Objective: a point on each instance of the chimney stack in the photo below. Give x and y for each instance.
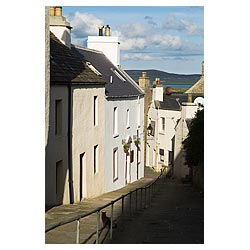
(158, 90)
(144, 81)
(59, 25)
(107, 30)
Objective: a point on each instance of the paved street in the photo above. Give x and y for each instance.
(176, 216)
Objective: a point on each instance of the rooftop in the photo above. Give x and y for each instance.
(119, 84)
(67, 67)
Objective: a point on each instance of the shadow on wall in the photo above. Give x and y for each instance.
(65, 66)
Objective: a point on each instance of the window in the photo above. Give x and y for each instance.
(115, 164)
(95, 111)
(96, 159)
(161, 154)
(138, 112)
(58, 117)
(59, 178)
(115, 122)
(162, 124)
(127, 118)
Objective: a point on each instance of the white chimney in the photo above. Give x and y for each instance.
(158, 90)
(59, 26)
(109, 45)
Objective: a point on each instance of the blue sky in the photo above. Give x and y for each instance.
(163, 38)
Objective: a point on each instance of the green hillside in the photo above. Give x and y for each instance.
(165, 77)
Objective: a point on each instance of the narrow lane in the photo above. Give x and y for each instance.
(176, 216)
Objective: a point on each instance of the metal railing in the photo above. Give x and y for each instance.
(144, 202)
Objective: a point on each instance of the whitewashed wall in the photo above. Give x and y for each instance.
(57, 149)
(85, 137)
(112, 142)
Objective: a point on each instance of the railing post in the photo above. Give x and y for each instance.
(111, 220)
(149, 189)
(97, 227)
(122, 204)
(141, 198)
(136, 199)
(77, 231)
(130, 203)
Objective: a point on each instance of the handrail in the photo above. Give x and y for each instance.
(111, 203)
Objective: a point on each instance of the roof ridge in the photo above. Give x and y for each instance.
(87, 49)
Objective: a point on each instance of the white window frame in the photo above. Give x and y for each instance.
(162, 124)
(95, 111)
(115, 164)
(128, 119)
(96, 159)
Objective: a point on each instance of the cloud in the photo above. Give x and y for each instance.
(85, 24)
(182, 25)
(137, 56)
(150, 20)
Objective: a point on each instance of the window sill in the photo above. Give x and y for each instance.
(116, 135)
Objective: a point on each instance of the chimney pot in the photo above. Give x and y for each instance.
(100, 30)
(51, 11)
(58, 11)
(107, 30)
(144, 74)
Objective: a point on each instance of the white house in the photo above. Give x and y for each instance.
(124, 114)
(191, 101)
(75, 144)
(163, 116)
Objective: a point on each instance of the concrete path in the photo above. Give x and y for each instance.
(67, 233)
(176, 216)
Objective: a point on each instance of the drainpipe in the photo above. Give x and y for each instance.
(71, 189)
(137, 154)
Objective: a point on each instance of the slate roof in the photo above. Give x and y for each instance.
(182, 97)
(198, 87)
(122, 85)
(169, 103)
(66, 67)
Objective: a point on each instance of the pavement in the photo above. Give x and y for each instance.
(66, 234)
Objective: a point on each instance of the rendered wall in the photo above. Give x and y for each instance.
(113, 142)
(84, 137)
(57, 150)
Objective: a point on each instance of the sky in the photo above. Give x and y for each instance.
(167, 38)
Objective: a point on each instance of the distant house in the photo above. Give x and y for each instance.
(124, 114)
(191, 101)
(75, 147)
(163, 116)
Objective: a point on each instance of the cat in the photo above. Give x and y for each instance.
(106, 221)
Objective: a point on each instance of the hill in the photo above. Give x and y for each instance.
(165, 77)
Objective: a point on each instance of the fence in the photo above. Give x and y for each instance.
(142, 199)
